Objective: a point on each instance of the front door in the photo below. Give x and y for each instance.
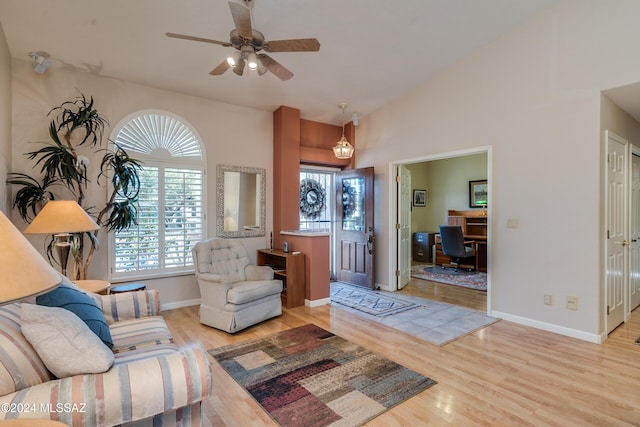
(617, 268)
(354, 231)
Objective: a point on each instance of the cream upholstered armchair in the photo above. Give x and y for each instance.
(235, 294)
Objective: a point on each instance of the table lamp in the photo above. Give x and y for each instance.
(61, 218)
(24, 271)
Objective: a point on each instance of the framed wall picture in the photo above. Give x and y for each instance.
(478, 194)
(420, 198)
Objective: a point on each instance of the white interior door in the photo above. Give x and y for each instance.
(404, 226)
(634, 261)
(617, 253)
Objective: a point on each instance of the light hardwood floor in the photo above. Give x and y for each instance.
(503, 375)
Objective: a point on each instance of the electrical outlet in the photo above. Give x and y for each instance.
(548, 300)
(572, 303)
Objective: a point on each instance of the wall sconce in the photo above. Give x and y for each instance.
(40, 61)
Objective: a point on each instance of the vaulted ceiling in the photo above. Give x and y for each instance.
(371, 51)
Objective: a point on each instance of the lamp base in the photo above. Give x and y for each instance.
(63, 246)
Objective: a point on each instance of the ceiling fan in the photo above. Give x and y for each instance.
(248, 42)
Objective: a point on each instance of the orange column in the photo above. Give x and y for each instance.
(286, 172)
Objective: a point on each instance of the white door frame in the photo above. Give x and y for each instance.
(616, 247)
(393, 211)
(403, 186)
(634, 264)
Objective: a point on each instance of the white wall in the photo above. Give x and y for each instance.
(534, 97)
(232, 135)
(5, 119)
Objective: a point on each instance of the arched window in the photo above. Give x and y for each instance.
(171, 203)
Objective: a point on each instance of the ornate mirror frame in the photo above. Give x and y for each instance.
(254, 231)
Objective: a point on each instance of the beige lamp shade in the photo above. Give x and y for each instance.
(23, 270)
(61, 216)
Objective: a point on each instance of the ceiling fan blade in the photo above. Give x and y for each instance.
(239, 68)
(197, 39)
(220, 69)
(242, 18)
(275, 67)
(293, 45)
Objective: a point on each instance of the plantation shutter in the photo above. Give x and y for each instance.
(171, 203)
(137, 249)
(183, 216)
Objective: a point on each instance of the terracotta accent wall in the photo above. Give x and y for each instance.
(296, 142)
(286, 171)
(317, 141)
(316, 265)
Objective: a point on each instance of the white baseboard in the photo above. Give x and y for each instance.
(573, 333)
(180, 304)
(317, 302)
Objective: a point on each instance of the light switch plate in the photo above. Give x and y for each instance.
(513, 223)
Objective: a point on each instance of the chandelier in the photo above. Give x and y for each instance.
(343, 150)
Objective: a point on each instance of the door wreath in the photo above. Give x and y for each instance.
(312, 198)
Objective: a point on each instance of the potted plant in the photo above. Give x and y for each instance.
(77, 124)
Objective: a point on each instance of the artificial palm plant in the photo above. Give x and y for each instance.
(75, 124)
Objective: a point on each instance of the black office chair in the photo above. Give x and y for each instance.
(455, 247)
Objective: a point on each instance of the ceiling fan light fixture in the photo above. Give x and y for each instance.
(252, 61)
(239, 68)
(261, 68)
(233, 59)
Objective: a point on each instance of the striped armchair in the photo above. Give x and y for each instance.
(152, 381)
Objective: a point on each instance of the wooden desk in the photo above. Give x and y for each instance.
(95, 286)
(480, 247)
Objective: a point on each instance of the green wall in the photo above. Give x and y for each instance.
(447, 185)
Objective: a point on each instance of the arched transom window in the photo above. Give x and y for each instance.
(171, 204)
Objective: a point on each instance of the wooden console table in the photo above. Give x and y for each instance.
(288, 267)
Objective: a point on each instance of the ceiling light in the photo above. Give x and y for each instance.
(233, 59)
(40, 62)
(261, 68)
(252, 61)
(343, 150)
(240, 67)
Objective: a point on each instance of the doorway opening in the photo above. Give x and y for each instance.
(444, 182)
(318, 213)
(341, 203)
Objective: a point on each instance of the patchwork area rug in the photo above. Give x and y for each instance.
(435, 322)
(474, 280)
(309, 377)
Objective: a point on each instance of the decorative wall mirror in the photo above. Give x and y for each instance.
(240, 201)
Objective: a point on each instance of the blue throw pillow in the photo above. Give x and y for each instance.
(82, 306)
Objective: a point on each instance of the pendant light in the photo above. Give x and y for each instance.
(343, 150)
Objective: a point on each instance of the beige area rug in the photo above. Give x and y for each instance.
(435, 322)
